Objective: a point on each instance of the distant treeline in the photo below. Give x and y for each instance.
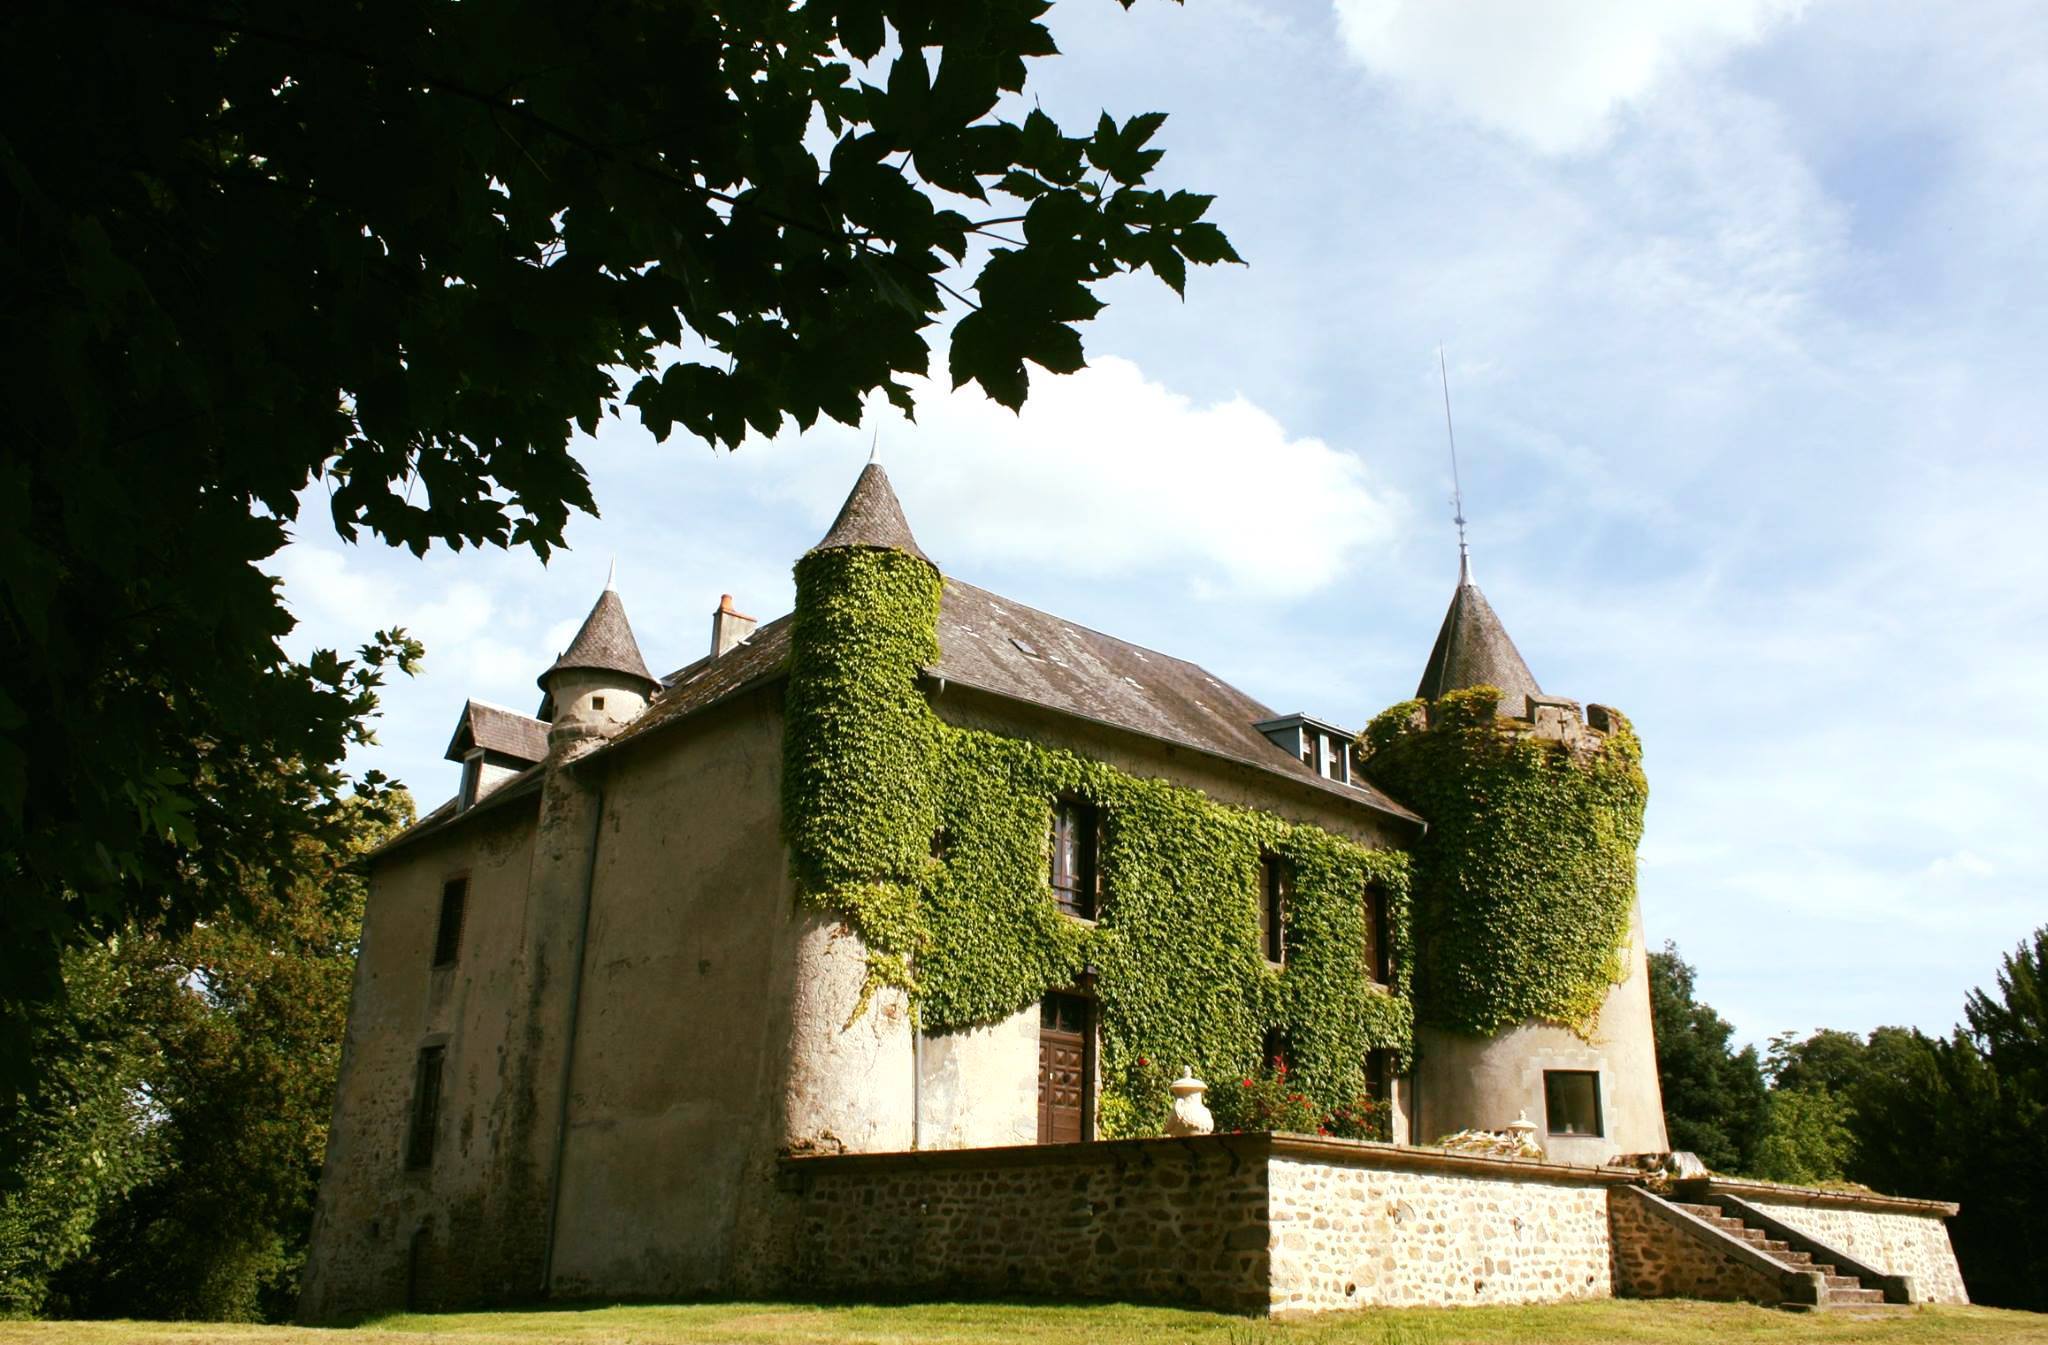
(1962, 1117)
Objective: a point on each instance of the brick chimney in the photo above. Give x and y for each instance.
(728, 627)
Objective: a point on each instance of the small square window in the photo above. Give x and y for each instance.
(597, 702)
(1571, 1101)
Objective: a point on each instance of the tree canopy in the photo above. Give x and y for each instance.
(399, 250)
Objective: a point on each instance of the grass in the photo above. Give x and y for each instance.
(984, 1323)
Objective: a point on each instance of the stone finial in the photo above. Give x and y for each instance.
(1521, 1127)
(1190, 1114)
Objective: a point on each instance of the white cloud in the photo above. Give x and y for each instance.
(1109, 472)
(1549, 72)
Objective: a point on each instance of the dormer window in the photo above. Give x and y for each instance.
(472, 776)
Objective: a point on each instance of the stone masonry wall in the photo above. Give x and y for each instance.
(1144, 1220)
(1246, 1223)
(1897, 1243)
(1654, 1258)
(1350, 1231)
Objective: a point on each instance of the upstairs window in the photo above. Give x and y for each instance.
(1571, 1101)
(1273, 894)
(426, 1108)
(1378, 951)
(1276, 1049)
(1076, 845)
(448, 934)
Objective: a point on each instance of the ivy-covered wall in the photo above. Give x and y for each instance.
(933, 841)
(1525, 880)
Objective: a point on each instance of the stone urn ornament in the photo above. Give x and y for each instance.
(1190, 1115)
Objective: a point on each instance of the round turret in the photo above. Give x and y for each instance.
(600, 682)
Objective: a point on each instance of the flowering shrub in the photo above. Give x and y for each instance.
(1265, 1100)
(1362, 1118)
(1144, 1103)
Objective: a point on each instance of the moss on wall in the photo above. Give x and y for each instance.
(1526, 877)
(933, 840)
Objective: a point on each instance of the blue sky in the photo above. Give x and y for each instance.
(1744, 306)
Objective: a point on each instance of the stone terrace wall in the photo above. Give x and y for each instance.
(1656, 1258)
(1247, 1223)
(1382, 1226)
(1900, 1237)
(1147, 1220)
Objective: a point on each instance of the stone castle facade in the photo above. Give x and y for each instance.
(602, 1044)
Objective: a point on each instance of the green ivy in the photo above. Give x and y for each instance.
(932, 840)
(1526, 877)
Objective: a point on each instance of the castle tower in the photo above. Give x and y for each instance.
(599, 682)
(1532, 984)
(866, 611)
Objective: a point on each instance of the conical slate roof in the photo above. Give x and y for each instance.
(605, 643)
(872, 517)
(1473, 649)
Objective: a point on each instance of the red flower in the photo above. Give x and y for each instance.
(1247, 1083)
(1143, 1061)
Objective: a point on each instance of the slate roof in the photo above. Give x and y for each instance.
(605, 643)
(497, 729)
(872, 517)
(1473, 649)
(995, 645)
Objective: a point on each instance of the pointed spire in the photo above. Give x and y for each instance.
(1473, 649)
(611, 577)
(872, 517)
(605, 643)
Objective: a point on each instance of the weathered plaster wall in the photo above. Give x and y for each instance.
(980, 1088)
(1655, 1257)
(370, 1206)
(1896, 1242)
(1465, 1082)
(691, 965)
(1350, 1231)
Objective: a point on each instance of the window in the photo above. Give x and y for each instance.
(1276, 1049)
(1076, 880)
(1379, 961)
(597, 702)
(472, 777)
(1340, 760)
(1571, 1099)
(1379, 1075)
(1273, 895)
(448, 935)
(1308, 748)
(426, 1108)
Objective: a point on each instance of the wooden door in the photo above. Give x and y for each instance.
(1065, 1087)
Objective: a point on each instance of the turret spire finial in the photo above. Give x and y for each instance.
(1457, 488)
(611, 577)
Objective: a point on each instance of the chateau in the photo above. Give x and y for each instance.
(853, 956)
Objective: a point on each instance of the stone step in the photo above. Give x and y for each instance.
(1843, 1297)
(1775, 1246)
(1796, 1260)
(1845, 1282)
(1708, 1212)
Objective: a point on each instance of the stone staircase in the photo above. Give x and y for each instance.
(1842, 1290)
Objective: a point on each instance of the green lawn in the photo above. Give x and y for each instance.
(976, 1324)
